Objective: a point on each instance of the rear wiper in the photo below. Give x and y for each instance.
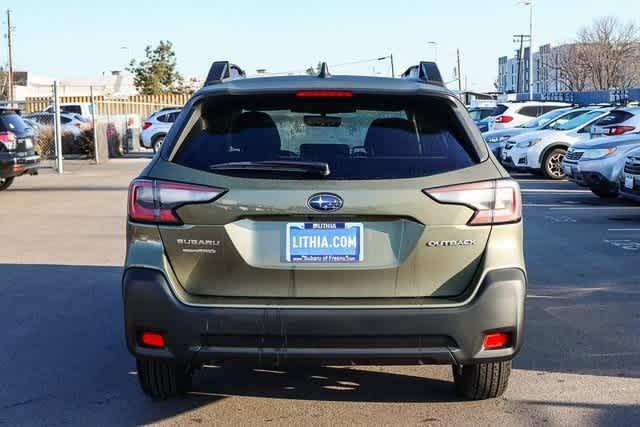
(315, 168)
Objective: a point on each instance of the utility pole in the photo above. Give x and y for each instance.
(10, 80)
(459, 72)
(393, 71)
(390, 58)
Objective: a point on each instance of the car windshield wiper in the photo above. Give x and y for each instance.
(314, 168)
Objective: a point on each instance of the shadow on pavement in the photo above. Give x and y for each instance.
(63, 357)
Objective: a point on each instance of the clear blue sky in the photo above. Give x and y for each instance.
(80, 38)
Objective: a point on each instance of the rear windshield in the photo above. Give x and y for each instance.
(72, 109)
(11, 121)
(615, 117)
(500, 108)
(357, 138)
(480, 113)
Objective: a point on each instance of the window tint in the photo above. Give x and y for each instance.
(369, 139)
(578, 121)
(544, 119)
(529, 111)
(73, 109)
(167, 118)
(547, 108)
(480, 113)
(564, 118)
(500, 108)
(11, 121)
(614, 118)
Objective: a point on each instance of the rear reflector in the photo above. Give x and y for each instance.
(155, 201)
(504, 119)
(496, 340)
(324, 94)
(494, 202)
(152, 339)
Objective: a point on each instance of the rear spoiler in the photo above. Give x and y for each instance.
(222, 71)
(426, 72)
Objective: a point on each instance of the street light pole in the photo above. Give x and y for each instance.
(434, 45)
(530, 4)
(531, 50)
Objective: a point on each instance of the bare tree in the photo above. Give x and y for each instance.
(609, 51)
(566, 64)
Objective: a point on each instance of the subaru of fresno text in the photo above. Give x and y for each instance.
(334, 219)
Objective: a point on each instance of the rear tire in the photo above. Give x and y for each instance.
(552, 164)
(605, 194)
(162, 379)
(482, 381)
(157, 143)
(5, 183)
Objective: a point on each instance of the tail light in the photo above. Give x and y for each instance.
(8, 139)
(504, 119)
(146, 125)
(494, 202)
(79, 125)
(618, 130)
(154, 201)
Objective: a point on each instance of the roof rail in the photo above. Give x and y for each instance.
(221, 71)
(426, 72)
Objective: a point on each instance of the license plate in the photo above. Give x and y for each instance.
(336, 242)
(628, 181)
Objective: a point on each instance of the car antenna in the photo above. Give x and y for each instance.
(324, 71)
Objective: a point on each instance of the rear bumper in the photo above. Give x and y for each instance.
(325, 335)
(12, 165)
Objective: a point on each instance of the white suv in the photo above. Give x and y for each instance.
(512, 114)
(544, 150)
(155, 128)
(619, 122)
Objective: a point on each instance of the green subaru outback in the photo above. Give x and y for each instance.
(332, 219)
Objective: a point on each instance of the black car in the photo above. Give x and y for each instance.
(17, 148)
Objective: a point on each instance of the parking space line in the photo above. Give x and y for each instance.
(579, 208)
(544, 190)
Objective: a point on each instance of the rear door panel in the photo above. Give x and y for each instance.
(235, 246)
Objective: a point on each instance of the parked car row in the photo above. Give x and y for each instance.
(597, 147)
(17, 148)
(156, 127)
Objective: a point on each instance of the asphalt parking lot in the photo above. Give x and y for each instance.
(63, 358)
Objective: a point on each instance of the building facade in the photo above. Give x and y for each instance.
(513, 73)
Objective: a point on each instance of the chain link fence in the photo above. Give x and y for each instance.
(91, 125)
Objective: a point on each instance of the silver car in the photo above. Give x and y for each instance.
(496, 139)
(597, 163)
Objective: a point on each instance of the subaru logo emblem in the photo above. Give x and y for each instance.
(324, 202)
